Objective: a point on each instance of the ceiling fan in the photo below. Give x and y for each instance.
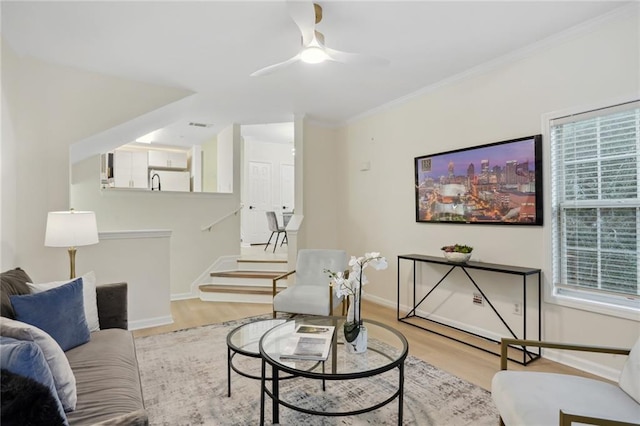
(307, 15)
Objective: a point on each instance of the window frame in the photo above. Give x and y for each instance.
(613, 305)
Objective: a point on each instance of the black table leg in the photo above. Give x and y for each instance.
(262, 391)
(276, 395)
(228, 371)
(400, 393)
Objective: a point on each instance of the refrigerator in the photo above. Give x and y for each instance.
(169, 180)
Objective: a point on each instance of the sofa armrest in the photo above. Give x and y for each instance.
(112, 306)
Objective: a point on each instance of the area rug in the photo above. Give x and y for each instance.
(184, 382)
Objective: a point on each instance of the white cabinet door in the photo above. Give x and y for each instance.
(122, 168)
(139, 169)
(168, 159)
(177, 160)
(130, 169)
(158, 158)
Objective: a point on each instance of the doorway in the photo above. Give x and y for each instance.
(268, 168)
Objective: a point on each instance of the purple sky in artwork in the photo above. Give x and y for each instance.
(497, 155)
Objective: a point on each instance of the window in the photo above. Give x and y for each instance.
(595, 165)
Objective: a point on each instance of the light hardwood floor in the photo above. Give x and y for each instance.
(466, 362)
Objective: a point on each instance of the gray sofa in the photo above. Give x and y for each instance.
(105, 368)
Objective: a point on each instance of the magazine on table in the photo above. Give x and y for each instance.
(312, 342)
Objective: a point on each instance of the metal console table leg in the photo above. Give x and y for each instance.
(524, 272)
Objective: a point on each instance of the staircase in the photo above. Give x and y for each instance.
(251, 282)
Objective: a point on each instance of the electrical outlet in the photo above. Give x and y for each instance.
(517, 308)
(477, 299)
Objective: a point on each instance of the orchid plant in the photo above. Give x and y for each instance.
(349, 283)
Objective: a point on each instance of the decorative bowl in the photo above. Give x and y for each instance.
(456, 257)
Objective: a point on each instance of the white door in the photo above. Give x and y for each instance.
(287, 185)
(258, 203)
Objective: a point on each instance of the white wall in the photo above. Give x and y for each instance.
(318, 183)
(142, 260)
(375, 208)
(8, 195)
(210, 166)
(192, 251)
(50, 107)
(225, 161)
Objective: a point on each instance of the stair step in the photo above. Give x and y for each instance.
(247, 274)
(262, 264)
(245, 289)
(262, 261)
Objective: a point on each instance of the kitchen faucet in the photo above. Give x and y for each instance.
(152, 177)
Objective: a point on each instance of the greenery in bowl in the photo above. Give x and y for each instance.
(457, 248)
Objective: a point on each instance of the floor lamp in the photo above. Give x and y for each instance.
(71, 229)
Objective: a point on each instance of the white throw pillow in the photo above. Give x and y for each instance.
(630, 375)
(89, 297)
(63, 377)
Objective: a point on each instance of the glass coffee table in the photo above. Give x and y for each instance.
(387, 350)
(243, 340)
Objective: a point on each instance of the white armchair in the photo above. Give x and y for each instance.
(535, 398)
(311, 294)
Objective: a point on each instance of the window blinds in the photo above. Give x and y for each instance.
(596, 212)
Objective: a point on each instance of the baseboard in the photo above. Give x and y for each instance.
(443, 320)
(183, 296)
(561, 357)
(150, 322)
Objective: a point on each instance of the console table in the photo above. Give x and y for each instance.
(524, 272)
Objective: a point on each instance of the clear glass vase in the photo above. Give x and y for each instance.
(355, 333)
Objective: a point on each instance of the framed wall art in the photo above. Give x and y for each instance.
(498, 183)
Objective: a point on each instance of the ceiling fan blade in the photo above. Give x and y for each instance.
(275, 67)
(355, 58)
(304, 15)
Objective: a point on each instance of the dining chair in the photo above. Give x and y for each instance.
(272, 221)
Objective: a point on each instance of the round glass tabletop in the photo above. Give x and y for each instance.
(386, 348)
(245, 338)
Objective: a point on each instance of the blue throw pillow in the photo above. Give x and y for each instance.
(59, 312)
(25, 358)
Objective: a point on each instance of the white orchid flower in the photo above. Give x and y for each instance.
(357, 278)
(379, 263)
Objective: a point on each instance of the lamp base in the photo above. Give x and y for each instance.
(72, 262)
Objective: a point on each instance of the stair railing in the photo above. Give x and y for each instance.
(211, 225)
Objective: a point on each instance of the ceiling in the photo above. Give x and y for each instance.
(212, 47)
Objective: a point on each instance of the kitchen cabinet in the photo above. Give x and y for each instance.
(130, 169)
(168, 159)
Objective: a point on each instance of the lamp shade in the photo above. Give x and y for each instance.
(71, 229)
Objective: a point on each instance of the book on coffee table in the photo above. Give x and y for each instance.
(310, 342)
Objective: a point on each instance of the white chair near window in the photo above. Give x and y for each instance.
(537, 398)
(311, 294)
